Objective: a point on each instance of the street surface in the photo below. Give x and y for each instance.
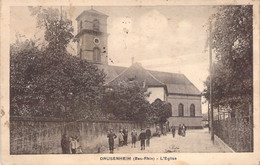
(195, 141)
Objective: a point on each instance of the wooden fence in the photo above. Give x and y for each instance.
(236, 133)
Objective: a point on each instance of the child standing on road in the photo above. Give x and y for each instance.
(134, 137)
(73, 145)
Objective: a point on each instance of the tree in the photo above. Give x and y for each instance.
(232, 41)
(162, 110)
(58, 30)
(219, 82)
(126, 101)
(53, 85)
(51, 82)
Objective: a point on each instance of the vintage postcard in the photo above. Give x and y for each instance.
(130, 82)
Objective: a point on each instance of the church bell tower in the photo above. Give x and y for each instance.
(92, 36)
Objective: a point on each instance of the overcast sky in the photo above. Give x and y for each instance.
(163, 38)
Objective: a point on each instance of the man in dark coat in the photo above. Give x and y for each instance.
(125, 132)
(173, 131)
(148, 134)
(65, 144)
(142, 138)
(111, 136)
(134, 137)
(180, 130)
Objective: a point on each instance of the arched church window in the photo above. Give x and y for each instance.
(180, 109)
(96, 55)
(80, 53)
(80, 25)
(96, 25)
(192, 110)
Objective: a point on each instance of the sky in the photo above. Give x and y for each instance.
(162, 38)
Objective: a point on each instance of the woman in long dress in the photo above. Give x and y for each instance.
(120, 138)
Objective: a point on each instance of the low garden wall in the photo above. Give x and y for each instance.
(43, 135)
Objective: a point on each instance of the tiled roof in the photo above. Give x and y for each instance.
(138, 73)
(91, 11)
(111, 71)
(176, 83)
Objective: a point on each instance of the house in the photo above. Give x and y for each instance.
(174, 88)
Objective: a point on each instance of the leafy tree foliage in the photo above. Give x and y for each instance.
(58, 29)
(126, 101)
(232, 41)
(161, 110)
(45, 83)
(49, 81)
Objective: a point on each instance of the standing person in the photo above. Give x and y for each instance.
(184, 129)
(164, 130)
(111, 136)
(179, 130)
(64, 143)
(168, 126)
(120, 138)
(142, 138)
(134, 137)
(148, 134)
(158, 130)
(78, 146)
(73, 145)
(125, 134)
(69, 145)
(173, 131)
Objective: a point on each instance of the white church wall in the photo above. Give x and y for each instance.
(175, 100)
(190, 122)
(156, 92)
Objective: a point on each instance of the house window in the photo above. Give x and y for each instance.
(96, 55)
(180, 108)
(96, 25)
(192, 110)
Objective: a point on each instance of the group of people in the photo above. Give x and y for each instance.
(162, 131)
(181, 130)
(70, 145)
(145, 135)
(122, 137)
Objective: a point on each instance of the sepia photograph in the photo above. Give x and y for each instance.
(110, 80)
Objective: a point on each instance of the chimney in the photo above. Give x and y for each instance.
(133, 60)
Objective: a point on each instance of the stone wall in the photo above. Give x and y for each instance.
(43, 135)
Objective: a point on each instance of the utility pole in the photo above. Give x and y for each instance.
(209, 117)
(60, 12)
(211, 71)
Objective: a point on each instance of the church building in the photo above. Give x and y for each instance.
(174, 88)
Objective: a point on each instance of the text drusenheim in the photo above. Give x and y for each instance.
(138, 158)
(115, 158)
